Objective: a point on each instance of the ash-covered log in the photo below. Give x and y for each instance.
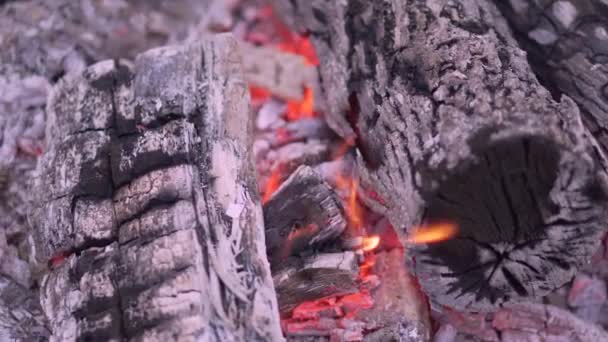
(147, 204)
(316, 277)
(567, 41)
(453, 127)
(301, 215)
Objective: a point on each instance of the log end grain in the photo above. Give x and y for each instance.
(529, 212)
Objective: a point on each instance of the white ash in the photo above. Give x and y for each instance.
(269, 115)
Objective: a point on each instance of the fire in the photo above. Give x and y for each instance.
(433, 233)
(273, 183)
(259, 94)
(370, 243)
(297, 110)
(354, 211)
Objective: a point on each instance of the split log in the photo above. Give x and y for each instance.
(316, 277)
(567, 41)
(452, 125)
(302, 214)
(148, 194)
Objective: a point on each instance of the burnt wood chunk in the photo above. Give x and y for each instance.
(316, 277)
(452, 125)
(148, 205)
(302, 214)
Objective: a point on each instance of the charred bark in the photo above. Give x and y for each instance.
(148, 195)
(567, 42)
(452, 125)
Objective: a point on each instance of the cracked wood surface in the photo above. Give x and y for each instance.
(452, 124)
(303, 214)
(148, 188)
(568, 43)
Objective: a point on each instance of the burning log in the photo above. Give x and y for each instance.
(568, 43)
(453, 128)
(302, 214)
(147, 209)
(316, 277)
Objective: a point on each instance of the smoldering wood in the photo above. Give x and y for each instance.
(284, 74)
(396, 300)
(452, 124)
(303, 214)
(316, 277)
(567, 42)
(299, 130)
(170, 248)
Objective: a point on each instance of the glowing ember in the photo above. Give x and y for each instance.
(370, 243)
(258, 94)
(297, 110)
(273, 184)
(433, 233)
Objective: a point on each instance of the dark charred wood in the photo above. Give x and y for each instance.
(452, 125)
(316, 277)
(147, 194)
(303, 214)
(567, 41)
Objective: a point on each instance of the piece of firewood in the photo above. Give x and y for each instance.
(147, 200)
(396, 299)
(302, 214)
(316, 277)
(567, 41)
(452, 125)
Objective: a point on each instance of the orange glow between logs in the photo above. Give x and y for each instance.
(272, 185)
(370, 243)
(433, 233)
(297, 110)
(300, 46)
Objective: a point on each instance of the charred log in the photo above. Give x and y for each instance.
(148, 205)
(303, 214)
(452, 125)
(316, 277)
(568, 44)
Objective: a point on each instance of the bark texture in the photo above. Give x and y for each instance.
(303, 214)
(452, 125)
(148, 194)
(568, 43)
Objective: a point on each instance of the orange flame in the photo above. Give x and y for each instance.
(273, 184)
(370, 243)
(297, 110)
(354, 211)
(433, 233)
